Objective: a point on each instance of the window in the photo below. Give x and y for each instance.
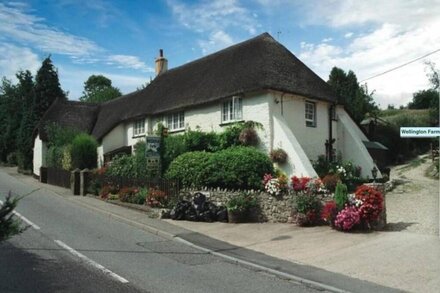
(310, 114)
(176, 121)
(232, 110)
(139, 127)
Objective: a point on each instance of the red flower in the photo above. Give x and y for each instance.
(329, 212)
(299, 184)
(372, 203)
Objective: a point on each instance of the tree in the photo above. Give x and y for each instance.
(9, 117)
(423, 99)
(98, 89)
(9, 225)
(26, 96)
(47, 88)
(357, 100)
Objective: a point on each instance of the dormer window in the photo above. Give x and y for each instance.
(139, 127)
(232, 109)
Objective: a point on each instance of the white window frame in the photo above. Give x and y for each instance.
(175, 121)
(310, 114)
(139, 127)
(232, 110)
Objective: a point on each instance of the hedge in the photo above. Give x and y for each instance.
(232, 168)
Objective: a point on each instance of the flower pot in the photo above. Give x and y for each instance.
(238, 216)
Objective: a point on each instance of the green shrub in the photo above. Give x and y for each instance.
(190, 168)
(9, 225)
(305, 203)
(201, 141)
(54, 157)
(66, 158)
(237, 168)
(83, 151)
(233, 168)
(341, 195)
(131, 166)
(174, 146)
(241, 203)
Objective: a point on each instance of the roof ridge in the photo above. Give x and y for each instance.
(214, 54)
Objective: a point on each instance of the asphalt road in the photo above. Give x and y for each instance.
(73, 249)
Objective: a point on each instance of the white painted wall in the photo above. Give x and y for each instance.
(298, 163)
(292, 109)
(208, 117)
(350, 143)
(40, 151)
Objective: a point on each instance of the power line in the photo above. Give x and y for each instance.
(400, 66)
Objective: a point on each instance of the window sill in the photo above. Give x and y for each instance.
(138, 135)
(311, 126)
(176, 130)
(225, 123)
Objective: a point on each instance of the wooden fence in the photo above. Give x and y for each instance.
(170, 187)
(58, 177)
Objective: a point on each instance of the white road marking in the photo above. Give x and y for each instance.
(91, 262)
(35, 226)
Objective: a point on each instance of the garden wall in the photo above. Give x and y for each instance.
(272, 209)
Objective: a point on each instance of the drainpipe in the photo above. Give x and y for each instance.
(330, 141)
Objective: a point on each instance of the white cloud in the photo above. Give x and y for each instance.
(128, 61)
(326, 40)
(16, 58)
(215, 20)
(216, 41)
(396, 33)
(31, 31)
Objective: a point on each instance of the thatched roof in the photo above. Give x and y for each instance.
(72, 114)
(260, 63)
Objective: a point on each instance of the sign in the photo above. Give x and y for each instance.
(419, 131)
(152, 153)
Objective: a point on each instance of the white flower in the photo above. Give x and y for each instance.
(273, 187)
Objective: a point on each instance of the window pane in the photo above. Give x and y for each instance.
(181, 120)
(175, 121)
(237, 108)
(231, 110)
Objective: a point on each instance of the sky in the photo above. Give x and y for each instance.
(121, 38)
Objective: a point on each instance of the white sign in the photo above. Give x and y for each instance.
(419, 132)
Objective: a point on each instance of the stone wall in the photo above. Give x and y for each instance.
(271, 209)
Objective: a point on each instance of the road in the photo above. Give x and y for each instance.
(70, 248)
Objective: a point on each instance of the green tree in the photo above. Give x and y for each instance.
(424, 99)
(98, 89)
(356, 98)
(9, 118)
(9, 225)
(47, 88)
(26, 96)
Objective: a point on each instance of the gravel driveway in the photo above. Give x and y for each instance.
(413, 206)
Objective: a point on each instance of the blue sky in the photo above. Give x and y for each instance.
(120, 39)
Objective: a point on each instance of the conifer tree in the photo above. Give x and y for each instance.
(47, 88)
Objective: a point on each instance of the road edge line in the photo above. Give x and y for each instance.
(309, 283)
(91, 262)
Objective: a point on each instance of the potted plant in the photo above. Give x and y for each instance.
(239, 207)
(278, 156)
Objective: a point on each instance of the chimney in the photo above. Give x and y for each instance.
(161, 63)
